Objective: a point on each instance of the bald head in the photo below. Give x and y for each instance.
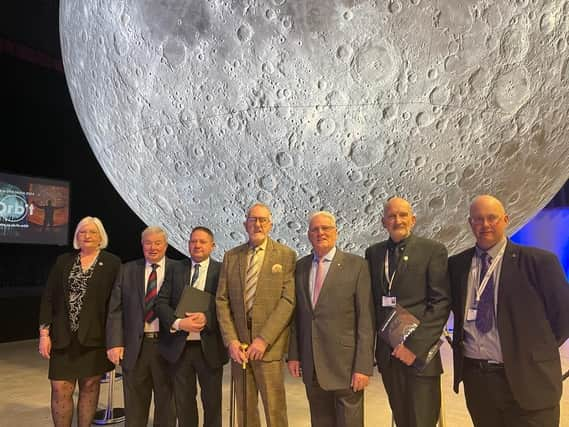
(486, 200)
(488, 220)
(398, 202)
(398, 218)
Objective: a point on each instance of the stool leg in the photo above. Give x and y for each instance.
(109, 415)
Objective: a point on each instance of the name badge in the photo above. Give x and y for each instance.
(471, 314)
(388, 301)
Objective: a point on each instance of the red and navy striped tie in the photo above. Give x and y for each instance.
(150, 297)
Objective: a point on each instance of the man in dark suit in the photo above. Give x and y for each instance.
(193, 345)
(332, 334)
(510, 316)
(410, 271)
(255, 301)
(132, 333)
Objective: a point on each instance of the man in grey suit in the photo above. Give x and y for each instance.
(410, 271)
(132, 333)
(255, 300)
(332, 335)
(193, 346)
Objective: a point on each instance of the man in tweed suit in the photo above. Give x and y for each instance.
(255, 301)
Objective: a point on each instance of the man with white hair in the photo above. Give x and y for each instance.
(332, 333)
(255, 301)
(133, 329)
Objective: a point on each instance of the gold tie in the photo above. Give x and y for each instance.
(251, 279)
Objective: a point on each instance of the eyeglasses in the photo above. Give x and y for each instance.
(90, 232)
(323, 229)
(262, 219)
(490, 219)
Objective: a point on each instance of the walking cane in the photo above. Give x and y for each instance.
(244, 370)
(232, 401)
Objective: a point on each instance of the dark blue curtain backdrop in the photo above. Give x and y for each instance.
(549, 229)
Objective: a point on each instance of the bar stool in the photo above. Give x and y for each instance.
(109, 415)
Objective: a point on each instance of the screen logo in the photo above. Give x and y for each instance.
(13, 208)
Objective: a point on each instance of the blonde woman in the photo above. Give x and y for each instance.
(72, 323)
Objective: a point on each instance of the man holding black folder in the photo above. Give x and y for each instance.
(193, 348)
(410, 273)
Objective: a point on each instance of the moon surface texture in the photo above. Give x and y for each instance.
(196, 109)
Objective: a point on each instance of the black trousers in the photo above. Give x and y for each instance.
(335, 408)
(491, 403)
(190, 367)
(150, 373)
(415, 400)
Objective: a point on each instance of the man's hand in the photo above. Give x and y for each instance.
(45, 346)
(294, 368)
(256, 350)
(236, 352)
(193, 322)
(359, 381)
(115, 354)
(404, 354)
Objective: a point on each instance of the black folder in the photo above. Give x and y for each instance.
(193, 301)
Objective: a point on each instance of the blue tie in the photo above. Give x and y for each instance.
(485, 314)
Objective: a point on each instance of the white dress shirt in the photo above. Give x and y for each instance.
(200, 285)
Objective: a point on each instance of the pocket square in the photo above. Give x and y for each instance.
(277, 268)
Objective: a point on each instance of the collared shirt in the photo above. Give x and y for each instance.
(314, 267)
(476, 344)
(260, 255)
(154, 325)
(199, 284)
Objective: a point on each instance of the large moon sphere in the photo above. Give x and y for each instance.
(196, 109)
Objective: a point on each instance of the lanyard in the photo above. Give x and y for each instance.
(480, 289)
(386, 272)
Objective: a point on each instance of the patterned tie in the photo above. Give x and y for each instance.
(251, 279)
(485, 314)
(195, 275)
(318, 281)
(150, 297)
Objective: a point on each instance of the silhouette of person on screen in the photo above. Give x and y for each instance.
(48, 213)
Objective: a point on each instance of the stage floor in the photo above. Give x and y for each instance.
(24, 396)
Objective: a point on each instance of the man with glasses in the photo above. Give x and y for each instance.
(510, 306)
(255, 301)
(332, 334)
(411, 272)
